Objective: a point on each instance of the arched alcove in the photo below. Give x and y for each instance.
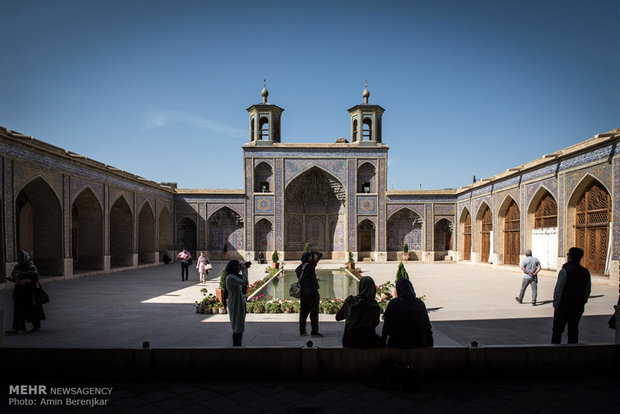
(404, 226)
(366, 239)
(314, 213)
(121, 233)
(39, 226)
(541, 228)
(366, 178)
(509, 231)
(264, 237)
(263, 178)
(443, 231)
(146, 234)
(225, 228)
(588, 217)
(165, 232)
(465, 235)
(484, 228)
(187, 235)
(87, 231)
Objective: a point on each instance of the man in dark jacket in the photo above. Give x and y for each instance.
(571, 293)
(309, 284)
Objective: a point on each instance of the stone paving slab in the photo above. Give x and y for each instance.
(125, 308)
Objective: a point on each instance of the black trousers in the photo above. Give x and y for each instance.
(566, 315)
(184, 269)
(237, 338)
(309, 305)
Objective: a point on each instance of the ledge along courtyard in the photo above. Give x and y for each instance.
(98, 236)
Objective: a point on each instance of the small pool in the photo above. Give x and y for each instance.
(332, 283)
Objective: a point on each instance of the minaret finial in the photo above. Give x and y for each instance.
(264, 93)
(366, 94)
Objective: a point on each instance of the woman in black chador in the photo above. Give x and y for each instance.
(405, 321)
(362, 314)
(26, 277)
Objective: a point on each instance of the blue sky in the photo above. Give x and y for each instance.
(160, 88)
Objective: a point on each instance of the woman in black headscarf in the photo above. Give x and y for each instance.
(362, 317)
(26, 277)
(405, 321)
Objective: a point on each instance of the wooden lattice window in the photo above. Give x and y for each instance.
(467, 236)
(546, 214)
(512, 223)
(593, 214)
(487, 227)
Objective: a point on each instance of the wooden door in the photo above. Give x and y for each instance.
(546, 214)
(512, 223)
(593, 214)
(485, 239)
(467, 237)
(365, 237)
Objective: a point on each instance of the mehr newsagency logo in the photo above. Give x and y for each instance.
(44, 396)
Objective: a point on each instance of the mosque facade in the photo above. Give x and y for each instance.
(78, 216)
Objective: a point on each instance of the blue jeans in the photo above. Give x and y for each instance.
(527, 279)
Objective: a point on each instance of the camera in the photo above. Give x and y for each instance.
(248, 264)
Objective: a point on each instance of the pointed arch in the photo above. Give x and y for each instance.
(366, 238)
(264, 236)
(40, 225)
(443, 234)
(308, 168)
(121, 233)
(146, 234)
(404, 226)
(263, 178)
(314, 202)
(541, 228)
(87, 231)
(366, 178)
(508, 232)
(484, 229)
(165, 232)
(225, 227)
(187, 235)
(465, 234)
(588, 218)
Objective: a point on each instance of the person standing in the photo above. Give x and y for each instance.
(201, 266)
(309, 301)
(185, 257)
(530, 266)
(236, 280)
(571, 293)
(26, 277)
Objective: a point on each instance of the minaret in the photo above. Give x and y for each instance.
(265, 120)
(366, 121)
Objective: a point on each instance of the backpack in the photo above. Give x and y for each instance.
(295, 289)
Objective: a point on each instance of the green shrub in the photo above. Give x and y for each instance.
(274, 257)
(401, 273)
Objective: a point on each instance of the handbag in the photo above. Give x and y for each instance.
(295, 289)
(208, 266)
(39, 296)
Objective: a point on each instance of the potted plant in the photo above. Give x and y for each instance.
(286, 306)
(306, 247)
(406, 252)
(199, 307)
(259, 307)
(351, 262)
(275, 259)
(225, 251)
(401, 273)
(296, 305)
(249, 307)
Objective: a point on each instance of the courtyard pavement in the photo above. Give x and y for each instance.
(466, 303)
(125, 308)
